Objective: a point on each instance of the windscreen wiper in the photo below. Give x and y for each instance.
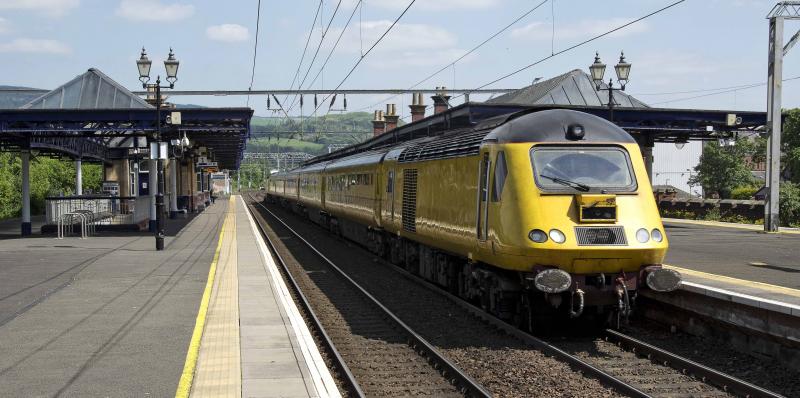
(569, 183)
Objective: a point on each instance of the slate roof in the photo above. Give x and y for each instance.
(571, 88)
(91, 90)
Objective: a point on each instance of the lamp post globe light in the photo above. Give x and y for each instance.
(598, 69)
(144, 64)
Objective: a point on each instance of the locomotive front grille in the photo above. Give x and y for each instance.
(601, 236)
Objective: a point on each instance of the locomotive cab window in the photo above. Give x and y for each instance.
(582, 169)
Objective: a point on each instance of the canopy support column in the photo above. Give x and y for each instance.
(152, 188)
(173, 187)
(78, 177)
(26, 193)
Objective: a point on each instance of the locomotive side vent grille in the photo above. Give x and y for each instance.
(601, 236)
(410, 200)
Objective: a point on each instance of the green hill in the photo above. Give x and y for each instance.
(312, 135)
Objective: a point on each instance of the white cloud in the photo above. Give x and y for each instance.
(154, 10)
(403, 37)
(228, 33)
(429, 5)
(5, 26)
(42, 46)
(54, 8)
(577, 30)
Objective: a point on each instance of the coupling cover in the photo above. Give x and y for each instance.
(663, 280)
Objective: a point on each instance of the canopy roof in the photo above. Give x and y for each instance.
(572, 88)
(93, 117)
(91, 90)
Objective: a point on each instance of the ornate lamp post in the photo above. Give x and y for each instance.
(171, 67)
(598, 69)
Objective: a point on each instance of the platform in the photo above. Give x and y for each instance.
(110, 316)
(254, 342)
(740, 276)
(104, 316)
(735, 250)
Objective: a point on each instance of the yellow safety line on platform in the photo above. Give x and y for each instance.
(185, 384)
(748, 227)
(741, 282)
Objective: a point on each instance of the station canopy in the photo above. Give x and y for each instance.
(94, 117)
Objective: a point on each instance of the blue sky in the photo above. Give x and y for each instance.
(699, 44)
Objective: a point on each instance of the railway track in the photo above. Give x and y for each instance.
(375, 353)
(630, 367)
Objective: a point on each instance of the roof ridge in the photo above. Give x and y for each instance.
(41, 100)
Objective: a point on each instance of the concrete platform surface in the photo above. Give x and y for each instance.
(736, 251)
(105, 316)
(254, 341)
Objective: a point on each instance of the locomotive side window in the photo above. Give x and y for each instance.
(583, 169)
(390, 182)
(484, 186)
(500, 173)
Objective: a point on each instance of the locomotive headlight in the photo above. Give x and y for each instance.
(642, 235)
(557, 236)
(538, 236)
(552, 280)
(656, 235)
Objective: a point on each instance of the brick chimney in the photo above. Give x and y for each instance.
(391, 117)
(417, 107)
(440, 103)
(378, 124)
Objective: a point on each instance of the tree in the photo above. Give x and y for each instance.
(790, 145)
(723, 168)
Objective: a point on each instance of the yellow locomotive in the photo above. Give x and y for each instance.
(529, 214)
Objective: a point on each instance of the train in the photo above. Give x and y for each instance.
(533, 214)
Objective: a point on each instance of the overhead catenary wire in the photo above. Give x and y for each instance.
(255, 51)
(305, 48)
(574, 46)
(335, 45)
(369, 50)
(316, 52)
(473, 49)
(729, 90)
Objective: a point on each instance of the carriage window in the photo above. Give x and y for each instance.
(500, 173)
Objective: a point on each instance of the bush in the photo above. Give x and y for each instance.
(744, 193)
(713, 215)
(790, 204)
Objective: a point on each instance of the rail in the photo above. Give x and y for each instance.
(466, 383)
(726, 382)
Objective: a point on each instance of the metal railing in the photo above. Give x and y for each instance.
(87, 212)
